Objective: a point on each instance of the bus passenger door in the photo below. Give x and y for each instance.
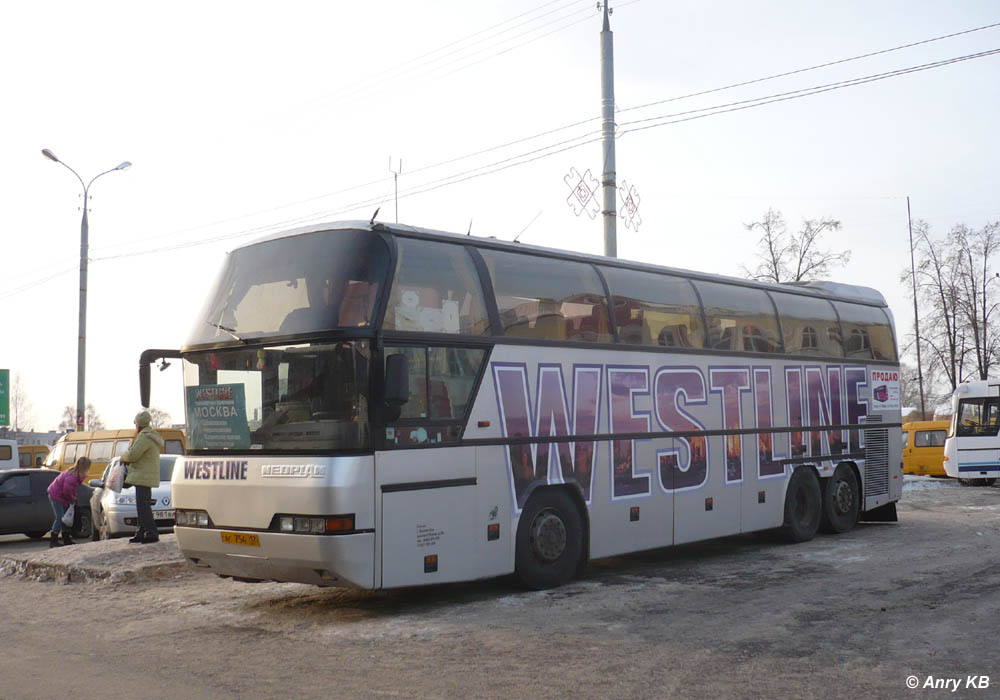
(427, 501)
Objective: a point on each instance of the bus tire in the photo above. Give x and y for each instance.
(803, 505)
(841, 501)
(549, 545)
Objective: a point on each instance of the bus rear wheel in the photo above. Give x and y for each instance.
(803, 505)
(841, 501)
(549, 545)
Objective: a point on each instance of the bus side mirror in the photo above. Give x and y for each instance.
(397, 380)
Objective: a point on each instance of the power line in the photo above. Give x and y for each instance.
(570, 144)
(552, 149)
(812, 68)
(795, 94)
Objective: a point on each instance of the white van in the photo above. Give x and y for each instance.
(9, 458)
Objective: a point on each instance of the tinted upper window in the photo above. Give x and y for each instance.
(6, 452)
(25, 458)
(435, 290)
(548, 299)
(297, 284)
(808, 325)
(739, 318)
(867, 333)
(652, 309)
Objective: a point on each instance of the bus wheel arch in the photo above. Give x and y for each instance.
(551, 540)
(803, 504)
(841, 493)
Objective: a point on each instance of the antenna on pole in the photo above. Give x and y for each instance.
(608, 135)
(395, 181)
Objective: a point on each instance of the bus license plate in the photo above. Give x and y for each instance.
(163, 515)
(244, 538)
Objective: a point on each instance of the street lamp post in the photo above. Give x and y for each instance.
(81, 352)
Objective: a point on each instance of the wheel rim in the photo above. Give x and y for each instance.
(547, 536)
(843, 498)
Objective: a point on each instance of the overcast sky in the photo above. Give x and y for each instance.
(243, 118)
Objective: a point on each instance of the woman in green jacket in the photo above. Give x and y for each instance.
(143, 459)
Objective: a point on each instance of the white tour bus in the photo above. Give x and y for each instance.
(377, 406)
(972, 450)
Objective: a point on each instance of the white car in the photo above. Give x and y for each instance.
(114, 514)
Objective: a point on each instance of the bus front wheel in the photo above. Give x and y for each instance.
(549, 540)
(841, 501)
(803, 505)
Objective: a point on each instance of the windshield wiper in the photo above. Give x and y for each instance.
(230, 331)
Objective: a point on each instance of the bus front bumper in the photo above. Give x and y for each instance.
(320, 560)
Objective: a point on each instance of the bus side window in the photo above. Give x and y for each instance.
(653, 309)
(436, 290)
(548, 299)
(121, 447)
(101, 451)
(867, 330)
(441, 383)
(809, 325)
(739, 318)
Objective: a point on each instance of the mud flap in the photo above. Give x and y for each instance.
(882, 514)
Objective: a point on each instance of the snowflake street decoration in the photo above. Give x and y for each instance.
(630, 206)
(581, 197)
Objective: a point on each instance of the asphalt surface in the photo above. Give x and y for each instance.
(859, 615)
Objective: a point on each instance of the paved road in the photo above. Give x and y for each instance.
(848, 616)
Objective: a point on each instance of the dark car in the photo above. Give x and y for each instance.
(25, 507)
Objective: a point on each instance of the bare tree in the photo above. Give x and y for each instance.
(22, 414)
(978, 301)
(160, 419)
(784, 257)
(92, 421)
(958, 300)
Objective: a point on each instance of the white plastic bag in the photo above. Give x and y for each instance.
(116, 477)
(67, 518)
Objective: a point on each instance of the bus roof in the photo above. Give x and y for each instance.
(979, 387)
(830, 290)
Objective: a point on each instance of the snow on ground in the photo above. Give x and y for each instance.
(911, 482)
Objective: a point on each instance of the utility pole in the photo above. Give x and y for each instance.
(608, 136)
(916, 319)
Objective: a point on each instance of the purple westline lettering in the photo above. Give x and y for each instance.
(768, 463)
(732, 383)
(793, 406)
(624, 384)
(855, 378)
(685, 464)
(548, 462)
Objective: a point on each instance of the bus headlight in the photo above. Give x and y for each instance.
(311, 525)
(191, 518)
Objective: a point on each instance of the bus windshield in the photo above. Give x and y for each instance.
(304, 397)
(298, 284)
(978, 416)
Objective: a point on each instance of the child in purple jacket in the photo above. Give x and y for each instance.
(62, 493)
